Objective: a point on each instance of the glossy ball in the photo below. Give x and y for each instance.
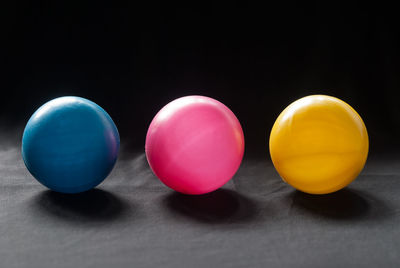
(70, 144)
(319, 144)
(194, 145)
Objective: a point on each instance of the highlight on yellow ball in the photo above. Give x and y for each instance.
(319, 144)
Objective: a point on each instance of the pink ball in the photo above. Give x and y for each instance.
(195, 144)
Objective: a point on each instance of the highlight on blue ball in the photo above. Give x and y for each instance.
(70, 144)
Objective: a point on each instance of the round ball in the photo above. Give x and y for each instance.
(70, 144)
(319, 144)
(195, 145)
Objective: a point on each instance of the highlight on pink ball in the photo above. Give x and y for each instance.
(195, 144)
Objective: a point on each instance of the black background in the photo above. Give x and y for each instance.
(257, 58)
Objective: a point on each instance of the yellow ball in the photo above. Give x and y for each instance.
(319, 144)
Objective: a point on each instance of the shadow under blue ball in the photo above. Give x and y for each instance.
(70, 144)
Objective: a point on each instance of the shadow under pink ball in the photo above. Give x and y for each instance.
(195, 145)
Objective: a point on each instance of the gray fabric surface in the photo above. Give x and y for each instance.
(255, 220)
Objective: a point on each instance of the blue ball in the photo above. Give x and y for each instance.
(70, 144)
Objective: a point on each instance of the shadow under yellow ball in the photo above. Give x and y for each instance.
(319, 144)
